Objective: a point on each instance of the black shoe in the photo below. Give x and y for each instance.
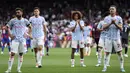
(40, 66)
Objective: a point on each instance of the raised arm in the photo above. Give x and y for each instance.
(81, 24)
(119, 24)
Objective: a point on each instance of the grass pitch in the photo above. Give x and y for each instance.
(59, 62)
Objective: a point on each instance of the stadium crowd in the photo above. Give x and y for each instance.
(57, 14)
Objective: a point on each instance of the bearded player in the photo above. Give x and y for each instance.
(18, 30)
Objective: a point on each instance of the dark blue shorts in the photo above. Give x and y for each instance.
(5, 40)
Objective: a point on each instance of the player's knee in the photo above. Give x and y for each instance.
(119, 53)
(35, 49)
(12, 54)
(107, 53)
(40, 47)
(20, 54)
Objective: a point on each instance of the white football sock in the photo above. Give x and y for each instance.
(37, 57)
(40, 57)
(86, 49)
(89, 50)
(10, 62)
(82, 61)
(20, 61)
(121, 59)
(99, 56)
(72, 61)
(109, 57)
(105, 60)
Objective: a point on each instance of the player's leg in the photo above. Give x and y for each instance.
(126, 47)
(14, 49)
(74, 46)
(108, 62)
(47, 47)
(35, 52)
(77, 52)
(89, 49)
(68, 44)
(22, 49)
(82, 58)
(10, 62)
(9, 47)
(72, 57)
(81, 46)
(29, 44)
(39, 55)
(106, 57)
(20, 61)
(99, 56)
(86, 47)
(34, 47)
(3, 46)
(96, 41)
(47, 50)
(107, 51)
(8, 43)
(100, 47)
(118, 49)
(121, 59)
(40, 51)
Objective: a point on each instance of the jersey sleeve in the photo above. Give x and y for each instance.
(120, 20)
(10, 23)
(44, 21)
(27, 22)
(106, 20)
(99, 26)
(71, 25)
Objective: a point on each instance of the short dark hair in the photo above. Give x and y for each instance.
(36, 8)
(113, 6)
(79, 16)
(19, 9)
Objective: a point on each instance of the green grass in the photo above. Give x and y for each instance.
(59, 62)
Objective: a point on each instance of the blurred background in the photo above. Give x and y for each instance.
(57, 13)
